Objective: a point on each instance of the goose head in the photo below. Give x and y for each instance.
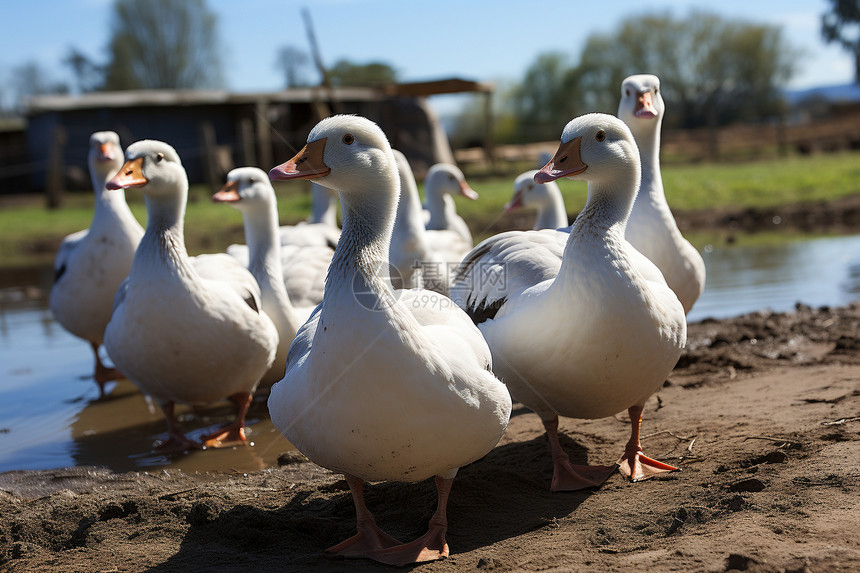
(594, 147)
(105, 154)
(447, 178)
(528, 193)
(247, 188)
(153, 167)
(641, 106)
(348, 154)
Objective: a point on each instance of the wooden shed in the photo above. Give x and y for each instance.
(214, 131)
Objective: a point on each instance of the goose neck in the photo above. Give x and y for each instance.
(552, 214)
(261, 235)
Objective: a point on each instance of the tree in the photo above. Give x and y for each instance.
(163, 44)
(89, 76)
(292, 62)
(373, 74)
(543, 102)
(713, 70)
(842, 25)
(31, 79)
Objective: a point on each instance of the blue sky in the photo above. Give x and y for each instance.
(489, 41)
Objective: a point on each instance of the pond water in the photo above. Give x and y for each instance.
(50, 415)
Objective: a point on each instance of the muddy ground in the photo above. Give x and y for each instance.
(761, 415)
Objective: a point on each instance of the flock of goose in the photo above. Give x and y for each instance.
(381, 365)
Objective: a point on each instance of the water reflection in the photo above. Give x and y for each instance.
(50, 416)
(815, 272)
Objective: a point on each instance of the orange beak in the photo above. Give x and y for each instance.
(645, 106)
(566, 162)
(515, 203)
(106, 151)
(306, 164)
(229, 193)
(467, 191)
(129, 176)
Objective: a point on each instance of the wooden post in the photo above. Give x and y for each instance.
(489, 147)
(207, 143)
(246, 142)
(54, 175)
(264, 136)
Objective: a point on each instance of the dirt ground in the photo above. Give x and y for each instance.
(761, 415)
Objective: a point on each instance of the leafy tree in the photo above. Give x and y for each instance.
(842, 25)
(292, 62)
(163, 44)
(373, 74)
(543, 103)
(713, 70)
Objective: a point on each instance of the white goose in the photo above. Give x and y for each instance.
(588, 332)
(442, 181)
(91, 264)
(382, 384)
(545, 197)
(413, 263)
(185, 330)
(323, 206)
(249, 190)
(652, 228)
(436, 253)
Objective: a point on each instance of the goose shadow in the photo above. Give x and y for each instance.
(501, 496)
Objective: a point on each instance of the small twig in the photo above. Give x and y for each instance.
(781, 441)
(841, 421)
(168, 495)
(677, 437)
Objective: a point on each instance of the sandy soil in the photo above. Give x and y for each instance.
(761, 414)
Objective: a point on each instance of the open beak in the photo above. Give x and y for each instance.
(106, 152)
(306, 164)
(645, 106)
(515, 203)
(467, 191)
(129, 176)
(229, 193)
(566, 162)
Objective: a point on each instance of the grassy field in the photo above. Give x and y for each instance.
(29, 233)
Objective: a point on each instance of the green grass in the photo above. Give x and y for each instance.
(29, 234)
(697, 187)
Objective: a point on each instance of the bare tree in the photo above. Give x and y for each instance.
(292, 62)
(31, 79)
(163, 44)
(89, 75)
(842, 25)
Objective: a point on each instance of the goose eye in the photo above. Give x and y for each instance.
(348, 138)
(627, 93)
(600, 135)
(656, 91)
(159, 157)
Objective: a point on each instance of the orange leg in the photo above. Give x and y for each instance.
(234, 433)
(177, 440)
(369, 537)
(634, 464)
(429, 547)
(567, 476)
(102, 373)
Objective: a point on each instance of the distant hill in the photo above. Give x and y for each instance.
(845, 93)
